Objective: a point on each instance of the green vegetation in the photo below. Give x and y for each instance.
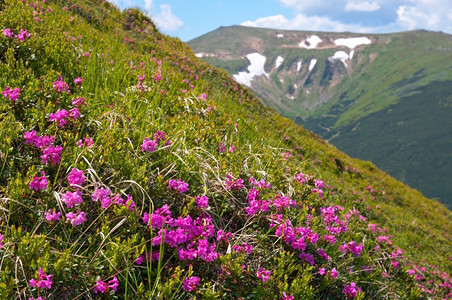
(331, 99)
(132, 170)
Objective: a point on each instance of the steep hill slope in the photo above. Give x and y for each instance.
(335, 83)
(132, 170)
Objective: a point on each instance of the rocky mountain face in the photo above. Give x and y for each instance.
(384, 98)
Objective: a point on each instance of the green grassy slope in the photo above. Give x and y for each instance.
(160, 130)
(331, 99)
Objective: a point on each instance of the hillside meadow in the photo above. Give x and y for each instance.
(132, 170)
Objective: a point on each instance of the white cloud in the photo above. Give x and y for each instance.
(426, 14)
(165, 19)
(303, 22)
(365, 6)
(147, 5)
(301, 5)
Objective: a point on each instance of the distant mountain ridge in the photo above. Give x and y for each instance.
(336, 84)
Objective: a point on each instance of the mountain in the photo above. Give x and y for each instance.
(380, 97)
(130, 169)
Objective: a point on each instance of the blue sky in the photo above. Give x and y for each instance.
(188, 19)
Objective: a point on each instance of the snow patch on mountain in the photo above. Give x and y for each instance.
(312, 64)
(313, 42)
(256, 68)
(299, 65)
(352, 42)
(341, 55)
(279, 61)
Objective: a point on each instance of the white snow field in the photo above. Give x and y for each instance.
(341, 55)
(279, 61)
(256, 68)
(313, 41)
(312, 64)
(352, 42)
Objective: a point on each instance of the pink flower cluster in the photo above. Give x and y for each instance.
(12, 94)
(76, 177)
(79, 102)
(244, 247)
(102, 286)
(287, 297)
(43, 281)
(263, 274)
(190, 283)
(87, 142)
(352, 247)
(61, 86)
(150, 146)
(52, 215)
(105, 197)
(39, 183)
(72, 198)
(44, 143)
(23, 34)
(190, 236)
(333, 223)
(62, 116)
(235, 184)
(351, 290)
(202, 201)
(76, 218)
(178, 185)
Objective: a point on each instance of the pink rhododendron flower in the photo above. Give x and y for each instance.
(113, 284)
(78, 80)
(52, 154)
(351, 290)
(74, 113)
(149, 145)
(190, 283)
(76, 177)
(333, 273)
(12, 94)
(322, 271)
(8, 32)
(76, 218)
(43, 281)
(78, 102)
(178, 185)
(301, 178)
(23, 34)
(60, 86)
(230, 183)
(60, 116)
(202, 201)
(39, 183)
(51, 215)
(87, 141)
(287, 297)
(72, 198)
(100, 286)
(263, 274)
